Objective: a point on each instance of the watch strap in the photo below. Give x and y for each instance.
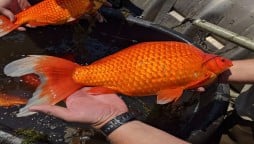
(118, 121)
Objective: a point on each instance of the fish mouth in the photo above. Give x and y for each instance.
(231, 64)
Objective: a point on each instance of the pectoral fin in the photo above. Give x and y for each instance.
(205, 80)
(168, 95)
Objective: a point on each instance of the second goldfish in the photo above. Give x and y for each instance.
(50, 12)
(9, 100)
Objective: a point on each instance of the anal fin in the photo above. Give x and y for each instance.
(35, 24)
(100, 90)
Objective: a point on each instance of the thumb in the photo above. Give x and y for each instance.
(57, 111)
(7, 13)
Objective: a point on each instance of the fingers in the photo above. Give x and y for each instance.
(7, 13)
(24, 29)
(11, 16)
(30, 26)
(108, 4)
(21, 28)
(56, 111)
(23, 4)
(200, 89)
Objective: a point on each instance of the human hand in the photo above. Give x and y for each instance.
(10, 7)
(95, 12)
(83, 107)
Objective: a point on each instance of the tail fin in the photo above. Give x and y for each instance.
(55, 75)
(6, 26)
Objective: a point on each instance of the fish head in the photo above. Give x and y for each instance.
(217, 64)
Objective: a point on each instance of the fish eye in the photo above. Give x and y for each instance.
(223, 60)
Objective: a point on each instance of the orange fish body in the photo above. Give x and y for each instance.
(8, 100)
(50, 12)
(164, 69)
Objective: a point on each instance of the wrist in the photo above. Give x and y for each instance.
(106, 119)
(117, 122)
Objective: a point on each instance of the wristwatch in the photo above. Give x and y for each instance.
(118, 121)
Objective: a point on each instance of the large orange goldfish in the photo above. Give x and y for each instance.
(50, 12)
(164, 69)
(9, 100)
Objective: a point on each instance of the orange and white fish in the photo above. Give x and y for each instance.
(50, 12)
(164, 69)
(9, 100)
